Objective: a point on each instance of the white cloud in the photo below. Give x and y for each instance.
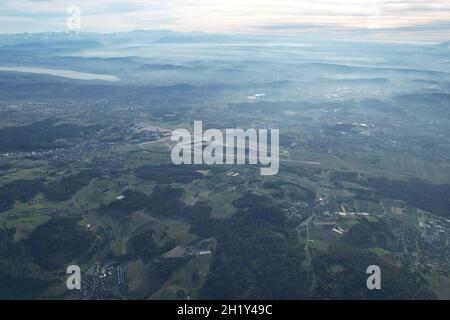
(235, 16)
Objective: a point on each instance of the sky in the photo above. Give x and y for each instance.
(412, 20)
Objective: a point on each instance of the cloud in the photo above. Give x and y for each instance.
(231, 16)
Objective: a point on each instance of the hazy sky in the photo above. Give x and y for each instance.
(383, 19)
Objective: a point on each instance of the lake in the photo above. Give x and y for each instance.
(63, 73)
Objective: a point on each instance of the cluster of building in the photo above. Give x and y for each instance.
(104, 278)
(435, 242)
